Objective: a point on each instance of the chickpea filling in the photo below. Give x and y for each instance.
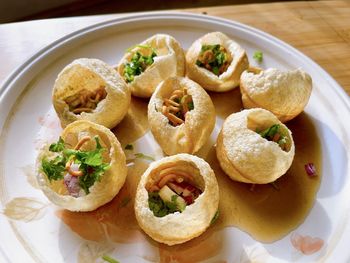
(214, 58)
(176, 107)
(171, 190)
(85, 100)
(76, 169)
(275, 134)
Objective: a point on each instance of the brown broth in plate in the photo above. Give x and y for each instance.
(266, 212)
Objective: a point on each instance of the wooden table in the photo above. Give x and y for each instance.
(320, 29)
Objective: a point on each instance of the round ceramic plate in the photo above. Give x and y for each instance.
(33, 230)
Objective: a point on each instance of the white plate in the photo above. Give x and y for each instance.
(25, 100)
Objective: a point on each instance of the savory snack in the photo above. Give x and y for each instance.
(176, 199)
(253, 146)
(84, 169)
(181, 115)
(89, 89)
(144, 66)
(216, 62)
(284, 93)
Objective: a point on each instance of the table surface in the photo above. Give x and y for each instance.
(320, 29)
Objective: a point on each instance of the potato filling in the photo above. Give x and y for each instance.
(76, 169)
(176, 107)
(85, 100)
(214, 58)
(171, 191)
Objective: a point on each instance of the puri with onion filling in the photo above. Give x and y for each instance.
(216, 62)
(284, 93)
(89, 89)
(253, 146)
(84, 169)
(176, 199)
(145, 65)
(181, 115)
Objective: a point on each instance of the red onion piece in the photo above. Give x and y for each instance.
(72, 184)
(310, 169)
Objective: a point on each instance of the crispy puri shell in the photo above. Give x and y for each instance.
(285, 94)
(247, 157)
(169, 62)
(190, 136)
(208, 80)
(91, 74)
(179, 227)
(111, 181)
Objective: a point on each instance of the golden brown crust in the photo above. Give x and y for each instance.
(245, 155)
(190, 136)
(284, 93)
(179, 227)
(169, 62)
(208, 80)
(111, 181)
(91, 74)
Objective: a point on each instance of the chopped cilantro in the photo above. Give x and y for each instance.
(125, 201)
(137, 65)
(214, 58)
(90, 163)
(258, 56)
(215, 217)
(273, 134)
(159, 207)
(58, 146)
(129, 147)
(109, 259)
(143, 156)
(190, 105)
(54, 169)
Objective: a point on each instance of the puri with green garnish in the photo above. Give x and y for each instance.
(253, 146)
(181, 115)
(176, 199)
(147, 64)
(84, 169)
(216, 62)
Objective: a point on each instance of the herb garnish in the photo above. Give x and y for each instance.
(258, 56)
(214, 58)
(215, 217)
(129, 147)
(109, 259)
(138, 64)
(90, 163)
(159, 207)
(144, 156)
(273, 134)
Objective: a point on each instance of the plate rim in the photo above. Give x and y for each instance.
(46, 50)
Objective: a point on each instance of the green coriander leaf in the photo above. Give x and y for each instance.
(54, 169)
(215, 217)
(258, 56)
(190, 105)
(58, 146)
(125, 201)
(174, 198)
(109, 259)
(143, 156)
(129, 147)
(215, 70)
